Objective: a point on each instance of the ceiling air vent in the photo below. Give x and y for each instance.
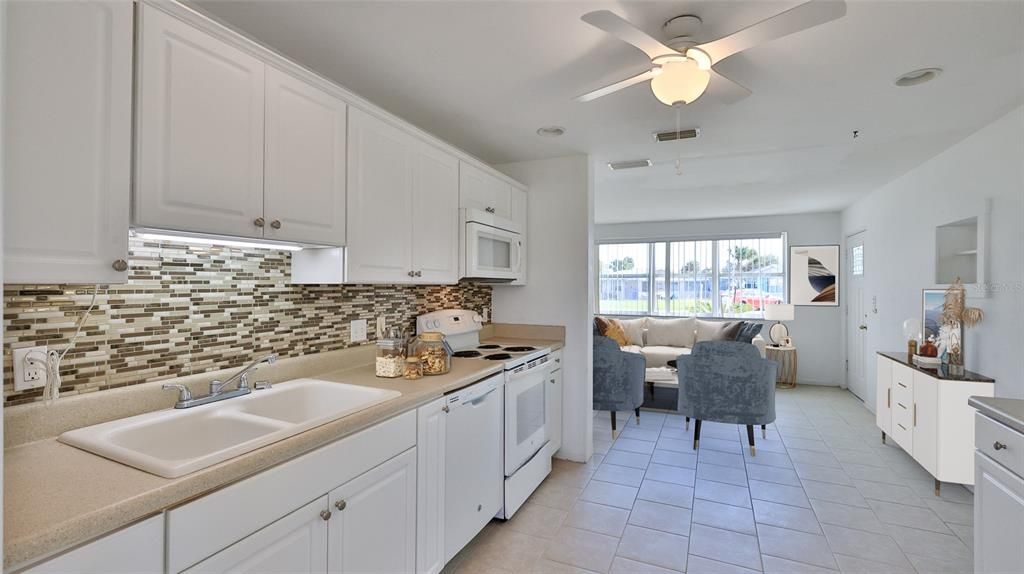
(671, 136)
(632, 164)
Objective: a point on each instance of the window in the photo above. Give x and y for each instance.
(702, 277)
(857, 260)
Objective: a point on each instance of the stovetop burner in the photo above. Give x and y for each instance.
(466, 354)
(498, 357)
(489, 347)
(519, 349)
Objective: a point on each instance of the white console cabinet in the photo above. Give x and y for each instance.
(926, 413)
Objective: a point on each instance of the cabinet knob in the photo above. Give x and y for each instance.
(998, 445)
(258, 222)
(276, 224)
(489, 209)
(445, 408)
(411, 274)
(340, 505)
(120, 265)
(419, 274)
(325, 514)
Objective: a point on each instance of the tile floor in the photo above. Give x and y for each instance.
(822, 494)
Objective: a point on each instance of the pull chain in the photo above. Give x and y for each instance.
(679, 139)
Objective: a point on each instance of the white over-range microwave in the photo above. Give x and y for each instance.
(492, 247)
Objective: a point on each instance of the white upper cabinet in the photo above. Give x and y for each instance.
(380, 157)
(435, 215)
(200, 130)
(402, 206)
(67, 127)
(304, 178)
(484, 191)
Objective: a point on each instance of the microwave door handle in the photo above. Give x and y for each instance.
(519, 254)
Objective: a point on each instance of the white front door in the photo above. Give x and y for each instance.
(856, 317)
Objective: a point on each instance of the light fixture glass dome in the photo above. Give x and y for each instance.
(680, 81)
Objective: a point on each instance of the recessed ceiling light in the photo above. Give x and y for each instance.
(917, 77)
(550, 131)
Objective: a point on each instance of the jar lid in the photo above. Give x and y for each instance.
(412, 359)
(432, 336)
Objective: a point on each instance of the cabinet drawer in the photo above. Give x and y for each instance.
(903, 429)
(990, 434)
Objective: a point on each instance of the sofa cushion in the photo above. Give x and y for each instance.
(718, 330)
(632, 349)
(748, 332)
(634, 329)
(672, 332)
(659, 356)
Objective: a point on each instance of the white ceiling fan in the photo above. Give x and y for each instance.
(681, 75)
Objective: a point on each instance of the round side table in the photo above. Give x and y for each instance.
(786, 358)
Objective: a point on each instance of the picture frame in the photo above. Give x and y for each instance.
(814, 275)
(932, 301)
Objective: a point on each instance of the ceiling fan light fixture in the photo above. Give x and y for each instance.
(700, 56)
(656, 71)
(680, 82)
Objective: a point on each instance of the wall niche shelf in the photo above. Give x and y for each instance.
(960, 251)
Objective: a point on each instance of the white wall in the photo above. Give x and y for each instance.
(816, 331)
(900, 219)
(558, 290)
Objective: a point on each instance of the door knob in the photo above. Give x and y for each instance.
(276, 224)
(863, 327)
(325, 514)
(340, 505)
(120, 265)
(258, 222)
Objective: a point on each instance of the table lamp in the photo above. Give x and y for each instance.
(779, 312)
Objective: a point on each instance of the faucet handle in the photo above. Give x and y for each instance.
(184, 394)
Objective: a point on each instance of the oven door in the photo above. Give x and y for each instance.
(492, 252)
(525, 416)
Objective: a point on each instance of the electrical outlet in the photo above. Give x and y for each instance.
(29, 367)
(381, 326)
(358, 330)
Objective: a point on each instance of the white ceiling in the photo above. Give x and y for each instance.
(485, 75)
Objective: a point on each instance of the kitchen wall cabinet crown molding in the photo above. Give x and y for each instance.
(67, 124)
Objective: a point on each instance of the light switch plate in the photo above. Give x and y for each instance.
(29, 375)
(358, 330)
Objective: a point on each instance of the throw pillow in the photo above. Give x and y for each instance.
(600, 325)
(615, 333)
(717, 330)
(634, 329)
(747, 333)
(672, 332)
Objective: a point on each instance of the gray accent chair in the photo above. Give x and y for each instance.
(618, 378)
(727, 382)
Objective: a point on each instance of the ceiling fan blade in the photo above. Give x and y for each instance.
(642, 77)
(802, 17)
(623, 30)
(725, 90)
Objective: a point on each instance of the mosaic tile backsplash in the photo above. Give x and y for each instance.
(191, 308)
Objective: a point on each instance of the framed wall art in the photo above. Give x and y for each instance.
(814, 275)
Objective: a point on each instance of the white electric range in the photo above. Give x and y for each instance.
(527, 460)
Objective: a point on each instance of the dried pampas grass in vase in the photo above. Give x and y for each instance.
(955, 316)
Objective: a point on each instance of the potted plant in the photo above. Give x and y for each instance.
(955, 316)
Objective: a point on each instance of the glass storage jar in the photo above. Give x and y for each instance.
(433, 352)
(390, 358)
(413, 368)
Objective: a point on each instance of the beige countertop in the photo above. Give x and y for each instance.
(57, 496)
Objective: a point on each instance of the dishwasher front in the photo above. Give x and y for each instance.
(474, 471)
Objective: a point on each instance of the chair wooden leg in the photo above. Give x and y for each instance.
(637, 410)
(764, 431)
(696, 434)
(687, 427)
(750, 438)
(613, 421)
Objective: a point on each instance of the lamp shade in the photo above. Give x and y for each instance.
(779, 312)
(680, 82)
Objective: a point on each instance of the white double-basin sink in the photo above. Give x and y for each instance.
(175, 442)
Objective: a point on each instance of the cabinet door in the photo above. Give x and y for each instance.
(304, 197)
(295, 543)
(883, 395)
(435, 216)
(136, 549)
(67, 123)
(430, 459)
(483, 191)
(199, 131)
(998, 518)
(379, 242)
(374, 523)
(553, 409)
(926, 429)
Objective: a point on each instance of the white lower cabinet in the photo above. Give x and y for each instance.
(136, 549)
(373, 527)
(998, 498)
(295, 543)
(430, 448)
